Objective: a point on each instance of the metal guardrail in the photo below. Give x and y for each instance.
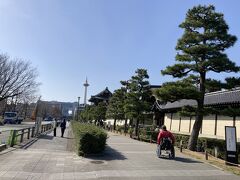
(17, 136)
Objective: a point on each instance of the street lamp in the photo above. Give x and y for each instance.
(78, 108)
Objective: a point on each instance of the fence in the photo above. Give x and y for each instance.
(17, 136)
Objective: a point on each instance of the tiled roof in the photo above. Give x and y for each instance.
(103, 95)
(225, 97)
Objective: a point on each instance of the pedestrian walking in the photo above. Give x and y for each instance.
(63, 126)
(55, 127)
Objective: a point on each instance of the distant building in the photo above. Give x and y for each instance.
(60, 109)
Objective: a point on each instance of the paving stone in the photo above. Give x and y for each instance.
(124, 158)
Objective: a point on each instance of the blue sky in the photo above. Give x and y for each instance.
(105, 40)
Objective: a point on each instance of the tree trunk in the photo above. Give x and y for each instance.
(114, 124)
(192, 143)
(125, 126)
(136, 127)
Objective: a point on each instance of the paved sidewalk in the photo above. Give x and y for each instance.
(124, 158)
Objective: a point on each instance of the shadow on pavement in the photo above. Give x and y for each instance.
(109, 154)
(67, 138)
(185, 160)
(49, 137)
(180, 159)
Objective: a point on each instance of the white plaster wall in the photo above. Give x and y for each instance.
(118, 122)
(222, 122)
(167, 120)
(208, 125)
(175, 122)
(109, 121)
(185, 124)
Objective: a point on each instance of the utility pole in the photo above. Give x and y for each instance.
(78, 109)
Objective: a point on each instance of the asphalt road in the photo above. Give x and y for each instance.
(8, 127)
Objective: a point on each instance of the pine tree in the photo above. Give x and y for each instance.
(138, 97)
(115, 108)
(200, 50)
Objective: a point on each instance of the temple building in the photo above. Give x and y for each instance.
(213, 124)
(103, 96)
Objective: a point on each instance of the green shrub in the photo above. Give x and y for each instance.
(130, 130)
(89, 138)
(208, 144)
(120, 128)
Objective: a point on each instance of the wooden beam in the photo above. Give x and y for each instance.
(171, 121)
(215, 130)
(180, 120)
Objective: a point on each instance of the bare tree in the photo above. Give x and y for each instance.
(17, 79)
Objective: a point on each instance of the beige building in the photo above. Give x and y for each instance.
(213, 125)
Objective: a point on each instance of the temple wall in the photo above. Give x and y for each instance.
(175, 122)
(208, 126)
(185, 121)
(222, 122)
(167, 120)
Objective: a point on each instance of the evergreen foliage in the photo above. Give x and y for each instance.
(115, 107)
(89, 138)
(99, 112)
(138, 97)
(87, 115)
(201, 49)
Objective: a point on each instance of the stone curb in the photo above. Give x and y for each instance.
(3, 147)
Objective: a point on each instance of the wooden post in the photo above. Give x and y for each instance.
(179, 128)
(206, 155)
(216, 152)
(181, 146)
(234, 120)
(215, 128)
(171, 121)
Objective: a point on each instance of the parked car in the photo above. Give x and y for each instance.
(12, 118)
(48, 119)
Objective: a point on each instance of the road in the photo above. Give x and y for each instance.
(124, 158)
(8, 127)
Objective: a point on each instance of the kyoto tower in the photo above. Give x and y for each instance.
(85, 94)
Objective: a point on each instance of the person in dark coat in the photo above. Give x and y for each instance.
(63, 126)
(54, 127)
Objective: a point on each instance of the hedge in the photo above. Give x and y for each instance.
(208, 144)
(203, 143)
(89, 138)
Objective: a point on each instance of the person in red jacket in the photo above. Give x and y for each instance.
(165, 134)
